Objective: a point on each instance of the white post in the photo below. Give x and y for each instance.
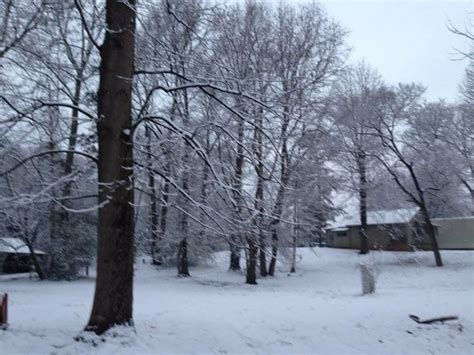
(368, 279)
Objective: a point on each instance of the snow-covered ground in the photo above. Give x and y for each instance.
(317, 310)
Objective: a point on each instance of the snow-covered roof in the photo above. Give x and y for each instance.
(401, 215)
(15, 246)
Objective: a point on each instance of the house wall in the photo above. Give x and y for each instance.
(455, 233)
(334, 240)
(379, 237)
(3, 257)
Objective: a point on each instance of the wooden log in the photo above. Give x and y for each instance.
(432, 320)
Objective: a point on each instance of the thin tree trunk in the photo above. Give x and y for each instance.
(258, 149)
(155, 241)
(183, 268)
(164, 207)
(284, 179)
(62, 219)
(204, 189)
(467, 184)
(155, 252)
(239, 164)
(262, 255)
(426, 216)
(278, 209)
(72, 142)
(271, 268)
(364, 241)
(113, 297)
(295, 239)
(166, 189)
(259, 227)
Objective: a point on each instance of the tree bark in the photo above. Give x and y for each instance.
(155, 234)
(72, 141)
(272, 266)
(284, 177)
(432, 236)
(234, 253)
(361, 165)
(114, 284)
(239, 164)
(204, 190)
(258, 205)
(251, 276)
(183, 269)
(259, 227)
(295, 238)
(426, 216)
(279, 206)
(164, 208)
(38, 268)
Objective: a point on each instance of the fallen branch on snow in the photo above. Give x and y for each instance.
(432, 320)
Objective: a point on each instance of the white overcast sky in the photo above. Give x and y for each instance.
(406, 40)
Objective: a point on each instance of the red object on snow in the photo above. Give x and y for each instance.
(4, 310)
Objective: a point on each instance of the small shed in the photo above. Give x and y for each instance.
(398, 229)
(15, 256)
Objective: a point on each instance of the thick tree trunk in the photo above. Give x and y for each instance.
(364, 241)
(182, 264)
(38, 268)
(432, 236)
(272, 266)
(234, 253)
(183, 269)
(262, 256)
(114, 284)
(251, 277)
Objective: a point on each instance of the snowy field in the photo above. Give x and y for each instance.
(317, 310)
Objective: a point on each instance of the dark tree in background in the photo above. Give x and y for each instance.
(114, 284)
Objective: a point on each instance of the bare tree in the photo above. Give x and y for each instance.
(114, 284)
(396, 107)
(353, 110)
